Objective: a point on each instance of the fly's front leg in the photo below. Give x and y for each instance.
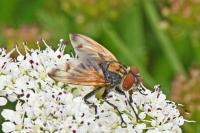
(129, 102)
(123, 123)
(141, 89)
(90, 94)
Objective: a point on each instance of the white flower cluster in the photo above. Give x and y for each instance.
(43, 105)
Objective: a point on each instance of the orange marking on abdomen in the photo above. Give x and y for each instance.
(79, 46)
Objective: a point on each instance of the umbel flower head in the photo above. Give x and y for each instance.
(44, 105)
(186, 90)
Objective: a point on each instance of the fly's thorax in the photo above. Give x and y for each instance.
(117, 68)
(113, 72)
(113, 78)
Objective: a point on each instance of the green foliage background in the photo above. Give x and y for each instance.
(154, 35)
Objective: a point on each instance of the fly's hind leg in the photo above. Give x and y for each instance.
(129, 100)
(90, 94)
(123, 123)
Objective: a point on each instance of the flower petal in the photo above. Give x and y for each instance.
(8, 127)
(3, 101)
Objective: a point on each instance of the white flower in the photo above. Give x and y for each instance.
(11, 116)
(8, 127)
(3, 101)
(44, 105)
(142, 115)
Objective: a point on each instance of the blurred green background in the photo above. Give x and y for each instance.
(161, 37)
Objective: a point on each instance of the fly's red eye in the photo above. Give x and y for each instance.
(128, 82)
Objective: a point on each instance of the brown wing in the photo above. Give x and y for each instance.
(86, 48)
(79, 74)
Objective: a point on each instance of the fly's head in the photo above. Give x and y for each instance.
(131, 79)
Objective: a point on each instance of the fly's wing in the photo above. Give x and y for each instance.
(79, 74)
(86, 48)
(87, 71)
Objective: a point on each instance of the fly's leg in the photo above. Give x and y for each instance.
(130, 96)
(141, 89)
(90, 94)
(129, 102)
(123, 123)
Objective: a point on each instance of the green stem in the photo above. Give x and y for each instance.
(165, 43)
